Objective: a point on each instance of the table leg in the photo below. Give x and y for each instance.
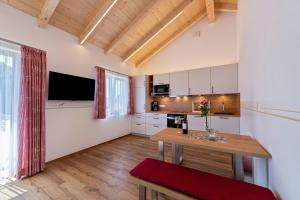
(260, 171)
(154, 195)
(238, 168)
(174, 154)
(142, 192)
(177, 154)
(161, 151)
(180, 153)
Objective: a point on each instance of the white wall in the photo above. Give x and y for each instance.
(269, 85)
(67, 129)
(216, 45)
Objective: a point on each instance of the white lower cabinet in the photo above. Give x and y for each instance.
(151, 129)
(155, 122)
(138, 124)
(225, 124)
(196, 122)
(148, 123)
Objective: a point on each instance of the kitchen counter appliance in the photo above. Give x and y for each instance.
(161, 90)
(175, 120)
(154, 106)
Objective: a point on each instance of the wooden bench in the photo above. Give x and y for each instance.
(186, 184)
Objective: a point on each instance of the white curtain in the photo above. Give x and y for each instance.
(116, 94)
(10, 66)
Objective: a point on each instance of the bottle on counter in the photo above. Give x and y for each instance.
(185, 125)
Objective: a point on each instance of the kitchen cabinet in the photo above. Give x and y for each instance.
(196, 122)
(179, 83)
(225, 124)
(155, 122)
(199, 81)
(152, 129)
(159, 119)
(224, 79)
(138, 124)
(161, 79)
(139, 81)
(140, 99)
(138, 128)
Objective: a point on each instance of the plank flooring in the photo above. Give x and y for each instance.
(101, 172)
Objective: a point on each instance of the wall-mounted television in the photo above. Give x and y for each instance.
(69, 87)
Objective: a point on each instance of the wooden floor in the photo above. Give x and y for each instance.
(101, 172)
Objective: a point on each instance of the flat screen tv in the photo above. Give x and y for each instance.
(68, 87)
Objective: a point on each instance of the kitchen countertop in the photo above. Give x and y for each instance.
(194, 113)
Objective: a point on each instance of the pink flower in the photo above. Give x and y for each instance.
(204, 102)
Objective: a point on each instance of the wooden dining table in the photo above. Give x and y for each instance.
(237, 145)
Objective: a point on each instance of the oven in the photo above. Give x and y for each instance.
(175, 120)
(161, 90)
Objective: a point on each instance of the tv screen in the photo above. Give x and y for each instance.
(68, 87)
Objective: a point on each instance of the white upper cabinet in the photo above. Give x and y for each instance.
(225, 124)
(139, 81)
(224, 79)
(179, 83)
(161, 79)
(199, 81)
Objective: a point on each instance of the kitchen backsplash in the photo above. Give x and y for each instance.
(184, 104)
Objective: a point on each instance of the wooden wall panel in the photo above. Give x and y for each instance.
(196, 8)
(72, 16)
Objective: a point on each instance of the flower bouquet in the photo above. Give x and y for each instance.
(204, 109)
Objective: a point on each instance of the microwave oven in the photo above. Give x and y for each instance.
(161, 90)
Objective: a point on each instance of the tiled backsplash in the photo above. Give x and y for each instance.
(184, 104)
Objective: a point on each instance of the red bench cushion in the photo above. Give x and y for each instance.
(198, 184)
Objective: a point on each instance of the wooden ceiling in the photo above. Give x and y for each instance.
(135, 30)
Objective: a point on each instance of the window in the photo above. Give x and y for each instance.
(116, 94)
(10, 59)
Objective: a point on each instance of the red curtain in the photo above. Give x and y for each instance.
(31, 150)
(130, 109)
(100, 103)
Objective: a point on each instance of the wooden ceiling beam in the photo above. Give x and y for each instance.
(47, 12)
(173, 37)
(138, 18)
(210, 10)
(157, 29)
(100, 15)
(226, 7)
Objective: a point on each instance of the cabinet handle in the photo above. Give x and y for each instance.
(138, 117)
(155, 117)
(189, 91)
(138, 124)
(212, 89)
(155, 126)
(197, 116)
(160, 83)
(155, 114)
(224, 117)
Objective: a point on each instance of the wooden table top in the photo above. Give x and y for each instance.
(235, 144)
